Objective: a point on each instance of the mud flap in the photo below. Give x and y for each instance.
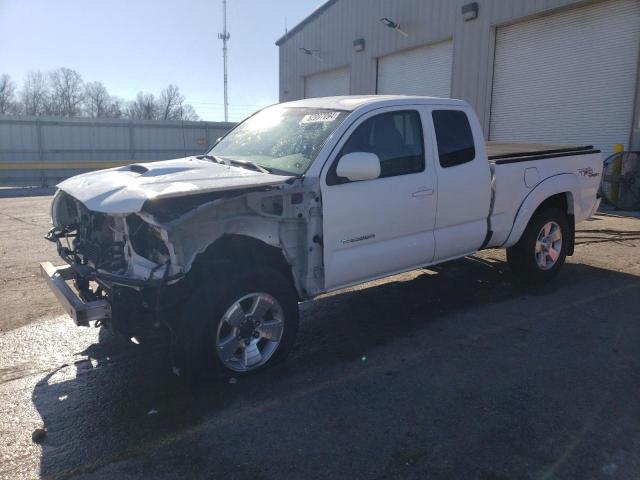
(571, 234)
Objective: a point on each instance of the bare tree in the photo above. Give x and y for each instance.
(114, 108)
(96, 100)
(188, 113)
(143, 107)
(35, 95)
(172, 106)
(62, 92)
(7, 95)
(67, 89)
(170, 103)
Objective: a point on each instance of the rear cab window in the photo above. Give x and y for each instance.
(454, 137)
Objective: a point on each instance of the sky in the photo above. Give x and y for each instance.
(144, 45)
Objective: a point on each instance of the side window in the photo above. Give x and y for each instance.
(454, 137)
(395, 137)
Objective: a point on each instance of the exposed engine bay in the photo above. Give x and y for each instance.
(116, 245)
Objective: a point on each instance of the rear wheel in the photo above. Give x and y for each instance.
(240, 323)
(542, 249)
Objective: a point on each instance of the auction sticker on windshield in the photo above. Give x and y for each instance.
(320, 117)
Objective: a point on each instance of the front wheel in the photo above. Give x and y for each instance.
(541, 251)
(240, 323)
(250, 332)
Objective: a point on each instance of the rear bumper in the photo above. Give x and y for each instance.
(80, 311)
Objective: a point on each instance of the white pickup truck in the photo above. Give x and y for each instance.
(300, 199)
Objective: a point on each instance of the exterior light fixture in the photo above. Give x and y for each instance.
(358, 45)
(394, 25)
(311, 53)
(470, 11)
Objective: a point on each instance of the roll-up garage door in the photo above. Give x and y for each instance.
(568, 77)
(327, 84)
(419, 71)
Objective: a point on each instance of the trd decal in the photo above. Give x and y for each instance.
(588, 172)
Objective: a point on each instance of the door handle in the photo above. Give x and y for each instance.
(423, 192)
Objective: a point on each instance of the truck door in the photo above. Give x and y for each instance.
(383, 225)
(464, 182)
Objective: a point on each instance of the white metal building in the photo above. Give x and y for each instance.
(552, 71)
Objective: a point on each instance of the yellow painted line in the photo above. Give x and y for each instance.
(54, 165)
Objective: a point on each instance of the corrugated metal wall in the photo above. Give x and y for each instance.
(560, 101)
(333, 31)
(42, 151)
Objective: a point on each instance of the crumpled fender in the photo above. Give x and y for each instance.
(562, 183)
(195, 236)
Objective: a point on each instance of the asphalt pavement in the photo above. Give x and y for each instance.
(455, 371)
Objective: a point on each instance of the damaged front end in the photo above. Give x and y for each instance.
(118, 264)
(132, 271)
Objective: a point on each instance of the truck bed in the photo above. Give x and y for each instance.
(510, 162)
(502, 152)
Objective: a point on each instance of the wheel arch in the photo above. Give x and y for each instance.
(241, 252)
(558, 191)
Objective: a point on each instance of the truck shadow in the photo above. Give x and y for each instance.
(123, 400)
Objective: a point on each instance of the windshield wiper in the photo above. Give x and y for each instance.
(253, 165)
(213, 158)
(231, 161)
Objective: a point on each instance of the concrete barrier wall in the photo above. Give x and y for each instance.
(41, 151)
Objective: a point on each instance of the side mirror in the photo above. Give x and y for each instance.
(359, 166)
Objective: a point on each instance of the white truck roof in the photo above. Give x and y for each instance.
(353, 102)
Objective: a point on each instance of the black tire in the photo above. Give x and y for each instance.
(204, 310)
(522, 256)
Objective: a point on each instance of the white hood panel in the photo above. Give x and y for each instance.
(123, 190)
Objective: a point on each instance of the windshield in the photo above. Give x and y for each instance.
(279, 138)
